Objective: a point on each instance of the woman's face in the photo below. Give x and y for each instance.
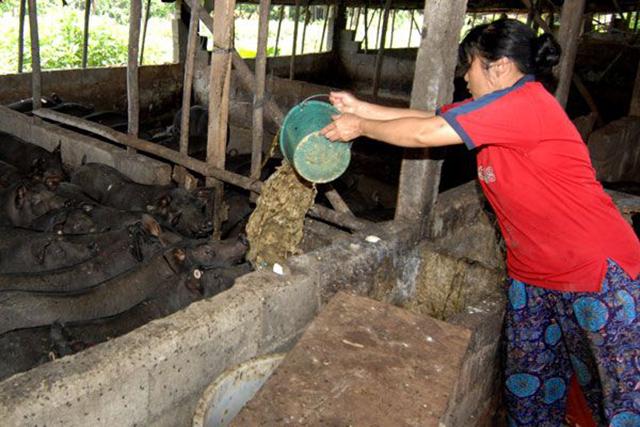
(478, 77)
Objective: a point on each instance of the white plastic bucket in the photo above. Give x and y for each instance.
(226, 396)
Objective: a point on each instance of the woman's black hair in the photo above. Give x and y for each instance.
(511, 39)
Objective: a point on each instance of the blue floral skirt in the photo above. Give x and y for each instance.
(550, 335)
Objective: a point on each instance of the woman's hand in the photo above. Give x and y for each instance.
(345, 102)
(344, 127)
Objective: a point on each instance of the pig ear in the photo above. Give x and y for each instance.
(21, 194)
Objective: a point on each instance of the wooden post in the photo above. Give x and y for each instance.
(219, 101)
(278, 31)
(432, 87)
(307, 18)
(36, 72)
(258, 97)
(85, 39)
(568, 36)
(380, 53)
(295, 41)
(144, 30)
(21, 15)
(324, 27)
(192, 44)
(133, 90)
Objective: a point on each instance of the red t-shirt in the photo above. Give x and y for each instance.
(558, 223)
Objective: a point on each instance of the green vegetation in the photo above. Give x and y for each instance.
(61, 31)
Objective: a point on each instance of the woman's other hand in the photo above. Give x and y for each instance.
(345, 102)
(345, 127)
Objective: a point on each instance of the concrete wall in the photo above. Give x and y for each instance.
(104, 88)
(76, 149)
(615, 151)
(397, 71)
(155, 374)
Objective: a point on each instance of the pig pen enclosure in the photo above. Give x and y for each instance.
(125, 192)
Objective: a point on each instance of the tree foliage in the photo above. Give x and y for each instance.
(61, 31)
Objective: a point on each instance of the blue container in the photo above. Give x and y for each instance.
(312, 155)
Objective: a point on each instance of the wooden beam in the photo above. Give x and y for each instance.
(380, 53)
(21, 16)
(336, 201)
(133, 89)
(219, 101)
(36, 72)
(568, 35)
(258, 97)
(85, 38)
(294, 46)
(432, 87)
(144, 30)
(203, 168)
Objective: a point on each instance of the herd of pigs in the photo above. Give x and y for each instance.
(87, 255)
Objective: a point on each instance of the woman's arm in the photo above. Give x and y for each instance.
(415, 132)
(347, 103)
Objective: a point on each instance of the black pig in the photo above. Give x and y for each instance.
(175, 208)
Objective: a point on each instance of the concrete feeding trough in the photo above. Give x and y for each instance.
(156, 374)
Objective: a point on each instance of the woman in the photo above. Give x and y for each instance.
(573, 262)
